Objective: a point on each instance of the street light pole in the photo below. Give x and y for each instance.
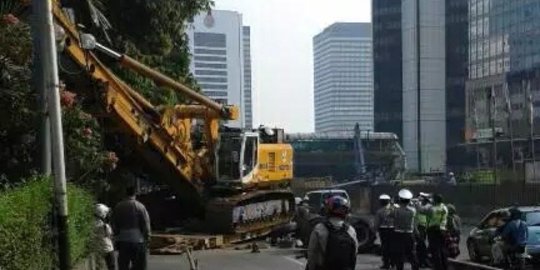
(492, 111)
(48, 71)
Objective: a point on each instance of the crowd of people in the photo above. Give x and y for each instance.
(421, 230)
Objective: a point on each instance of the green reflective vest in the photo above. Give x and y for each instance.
(421, 219)
(438, 216)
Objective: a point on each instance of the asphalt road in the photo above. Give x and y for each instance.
(267, 259)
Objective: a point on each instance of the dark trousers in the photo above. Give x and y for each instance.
(109, 260)
(421, 248)
(131, 256)
(405, 250)
(386, 235)
(437, 248)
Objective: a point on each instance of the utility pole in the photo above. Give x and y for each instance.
(492, 111)
(510, 127)
(48, 70)
(530, 101)
(38, 82)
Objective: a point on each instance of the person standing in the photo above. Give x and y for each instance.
(404, 227)
(453, 233)
(437, 219)
(333, 244)
(131, 225)
(104, 233)
(384, 223)
(421, 227)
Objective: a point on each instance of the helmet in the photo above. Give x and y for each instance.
(337, 206)
(405, 194)
(451, 208)
(384, 197)
(424, 195)
(102, 210)
(297, 200)
(515, 213)
(451, 174)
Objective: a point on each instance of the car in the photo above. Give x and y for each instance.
(482, 236)
(311, 214)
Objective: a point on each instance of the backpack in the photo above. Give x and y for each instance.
(340, 248)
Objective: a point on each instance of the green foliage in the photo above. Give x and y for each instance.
(157, 38)
(18, 103)
(23, 216)
(25, 225)
(87, 161)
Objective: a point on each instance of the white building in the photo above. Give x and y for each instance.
(343, 77)
(216, 45)
(248, 96)
(424, 84)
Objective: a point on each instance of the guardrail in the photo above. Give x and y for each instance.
(464, 265)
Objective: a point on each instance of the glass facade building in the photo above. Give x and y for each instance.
(504, 43)
(248, 95)
(387, 70)
(343, 77)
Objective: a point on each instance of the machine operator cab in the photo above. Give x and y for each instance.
(255, 157)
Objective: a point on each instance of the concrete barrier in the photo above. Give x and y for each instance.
(463, 265)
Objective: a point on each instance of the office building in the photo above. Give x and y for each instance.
(343, 77)
(440, 66)
(387, 66)
(424, 84)
(248, 95)
(216, 45)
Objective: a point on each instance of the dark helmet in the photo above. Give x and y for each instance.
(451, 209)
(514, 213)
(337, 206)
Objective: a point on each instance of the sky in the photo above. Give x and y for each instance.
(282, 53)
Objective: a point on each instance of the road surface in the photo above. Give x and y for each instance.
(267, 259)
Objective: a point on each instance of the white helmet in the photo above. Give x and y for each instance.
(384, 197)
(424, 195)
(451, 174)
(405, 194)
(297, 200)
(102, 210)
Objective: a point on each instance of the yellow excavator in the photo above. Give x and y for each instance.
(239, 179)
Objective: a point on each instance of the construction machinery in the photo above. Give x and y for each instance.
(236, 181)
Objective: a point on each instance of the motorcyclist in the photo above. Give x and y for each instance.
(333, 244)
(514, 234)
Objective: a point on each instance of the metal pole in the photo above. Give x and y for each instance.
(493, 133)
(51, 82)
(510, 128)
(531, 126)
(45, 125)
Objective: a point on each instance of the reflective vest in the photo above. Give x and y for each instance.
(438, 216)
(421, 219)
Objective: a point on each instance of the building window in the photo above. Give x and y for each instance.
(213, 40)
(210, 72)
(209, 51)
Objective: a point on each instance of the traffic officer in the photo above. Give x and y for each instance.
(421, 226)
(384, 223)
(437, 219)
(404, 227)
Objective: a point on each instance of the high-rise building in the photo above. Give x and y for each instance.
(387, 66)
(216, 44)
(248, 95)
(504, 77)
(436, 56)
(424, 84)
(343, 77)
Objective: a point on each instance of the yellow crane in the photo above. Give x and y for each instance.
(238, 178)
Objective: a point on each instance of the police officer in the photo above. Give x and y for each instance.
(437, 219)
(404, 228)
(384, 223)
(421, 226)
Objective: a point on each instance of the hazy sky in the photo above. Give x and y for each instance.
(282, 53)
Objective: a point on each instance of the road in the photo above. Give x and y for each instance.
(267, 259)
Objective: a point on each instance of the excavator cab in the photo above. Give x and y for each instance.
(237, 158)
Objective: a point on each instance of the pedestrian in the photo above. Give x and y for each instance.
(453, 232)
(514, 235)
(333, 244)
(452, 179)
(421, 229)
(131, 225)
(384, 223)
(104, 233)
(404, 227)
(437, 219)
